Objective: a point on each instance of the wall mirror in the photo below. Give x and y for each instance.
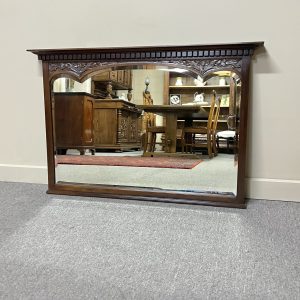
(157, 123)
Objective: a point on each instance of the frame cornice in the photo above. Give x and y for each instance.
(146, 53)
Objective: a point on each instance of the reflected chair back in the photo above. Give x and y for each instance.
(202, 136)
(215, 124)
(149, 127)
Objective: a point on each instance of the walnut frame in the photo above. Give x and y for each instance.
(199, 59)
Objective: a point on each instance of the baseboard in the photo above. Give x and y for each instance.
(256, 188)
(23, 173)
(273, 189)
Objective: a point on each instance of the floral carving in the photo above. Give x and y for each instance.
(133, 130)
(77, 68)
(123, 127)
(201, 66)
(206, 66)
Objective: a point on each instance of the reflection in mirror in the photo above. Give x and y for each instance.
(150, 127)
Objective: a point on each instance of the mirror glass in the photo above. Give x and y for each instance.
(148, 126)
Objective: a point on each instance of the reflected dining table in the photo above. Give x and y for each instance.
(172, 114)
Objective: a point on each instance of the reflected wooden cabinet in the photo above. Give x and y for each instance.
(120, 80)
(117, 125)
(73, 121)
(83, 122)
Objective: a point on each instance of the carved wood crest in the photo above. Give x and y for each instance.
(201, 67)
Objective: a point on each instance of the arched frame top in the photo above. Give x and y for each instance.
(80, 71)
(203, 60)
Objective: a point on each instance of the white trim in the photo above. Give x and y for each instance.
(273, 189)
(23, 173)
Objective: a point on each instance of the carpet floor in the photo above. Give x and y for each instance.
(59, 247)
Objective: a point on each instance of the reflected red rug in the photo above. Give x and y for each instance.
(129, 161)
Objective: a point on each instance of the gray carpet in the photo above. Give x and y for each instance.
(58, 247)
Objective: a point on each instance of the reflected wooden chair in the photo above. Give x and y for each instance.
(214, 127)
(151, 138)
(229, 136)
(203, 136)
(150, 129)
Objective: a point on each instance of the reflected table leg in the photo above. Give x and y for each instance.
(171, 132)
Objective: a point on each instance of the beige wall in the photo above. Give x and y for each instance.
(274, 145)
(156, 87)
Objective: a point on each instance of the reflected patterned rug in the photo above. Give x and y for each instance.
(129, 161)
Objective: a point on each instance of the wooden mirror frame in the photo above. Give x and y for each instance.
(79, 64)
